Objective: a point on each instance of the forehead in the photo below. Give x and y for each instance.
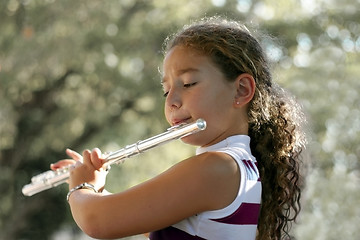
(179, 58)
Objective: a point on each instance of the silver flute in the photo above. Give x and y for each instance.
(50, 179)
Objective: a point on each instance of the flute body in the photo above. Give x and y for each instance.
(50, 179)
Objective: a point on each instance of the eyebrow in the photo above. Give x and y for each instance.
(181, 72)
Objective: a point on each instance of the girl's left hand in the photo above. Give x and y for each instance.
(90, 170)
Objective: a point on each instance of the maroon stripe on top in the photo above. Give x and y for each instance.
(252, 165)
(251, 170)
(173, 234)
(245, 163)
(256, 164)
(246, 214)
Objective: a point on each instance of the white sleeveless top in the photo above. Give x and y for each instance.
(239, 219)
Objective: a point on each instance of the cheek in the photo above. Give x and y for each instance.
(215, 103)
(217, 110)
(166, 113)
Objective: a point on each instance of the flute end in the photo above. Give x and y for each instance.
(201, 123)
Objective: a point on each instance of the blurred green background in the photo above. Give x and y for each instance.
(84, 74)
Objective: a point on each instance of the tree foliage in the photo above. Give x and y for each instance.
(84, 74)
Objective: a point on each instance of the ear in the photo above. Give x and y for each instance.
(245, 89)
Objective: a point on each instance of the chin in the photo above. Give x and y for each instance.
(192, 140)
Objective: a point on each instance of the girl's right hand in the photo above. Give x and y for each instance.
(66, 162)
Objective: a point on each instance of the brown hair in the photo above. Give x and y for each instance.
(274, 117)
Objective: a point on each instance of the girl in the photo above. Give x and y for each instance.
(248, 155)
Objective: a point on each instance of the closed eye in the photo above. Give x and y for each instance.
(189, 84)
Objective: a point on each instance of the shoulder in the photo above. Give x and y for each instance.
(216, 164)
(216, 175)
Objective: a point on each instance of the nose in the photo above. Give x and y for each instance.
(173, 100)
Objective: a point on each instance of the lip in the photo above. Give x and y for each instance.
(180, 121)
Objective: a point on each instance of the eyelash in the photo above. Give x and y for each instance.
(189, 84)
(185, 86)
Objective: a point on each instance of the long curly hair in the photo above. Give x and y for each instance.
(274, 117)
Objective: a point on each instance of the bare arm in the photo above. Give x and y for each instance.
(206, 182)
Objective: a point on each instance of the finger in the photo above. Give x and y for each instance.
(74, 155)
(87, 157)
(61, 164)
(96, 159)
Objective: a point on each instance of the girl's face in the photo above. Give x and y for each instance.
(195, 88)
